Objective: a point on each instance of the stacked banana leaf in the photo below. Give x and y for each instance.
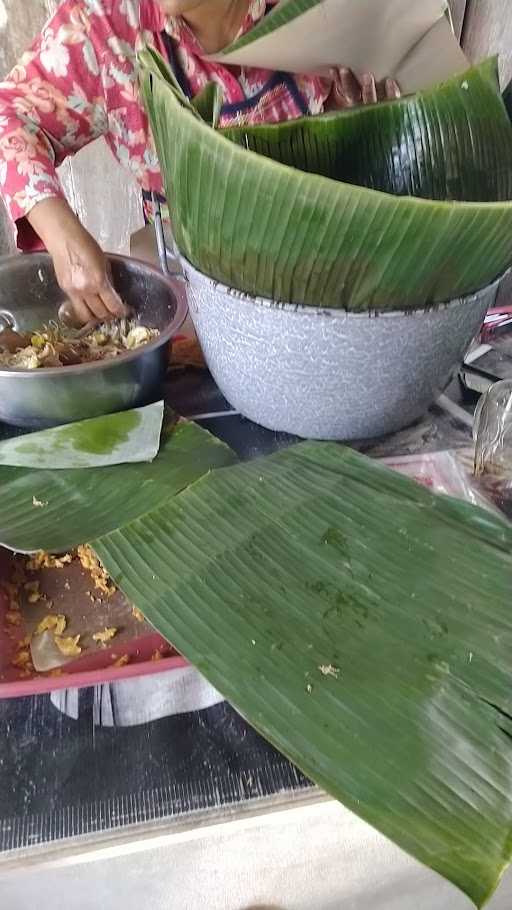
(359, 623)
(400, 205)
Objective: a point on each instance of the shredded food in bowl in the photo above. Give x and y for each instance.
(59, 346)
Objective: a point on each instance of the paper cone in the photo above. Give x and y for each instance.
(410, 40)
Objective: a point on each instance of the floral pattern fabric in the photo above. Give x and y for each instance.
(78, 82)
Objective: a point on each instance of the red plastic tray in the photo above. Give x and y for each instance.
(92, 668)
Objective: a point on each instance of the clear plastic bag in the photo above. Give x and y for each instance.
(448, 472)
(492, 432)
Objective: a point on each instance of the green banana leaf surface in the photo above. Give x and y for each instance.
(358, 622)
(272, 230)
(126, 437)
(58, 510)
(451, 142)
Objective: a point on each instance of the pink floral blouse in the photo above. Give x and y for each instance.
(79, 81)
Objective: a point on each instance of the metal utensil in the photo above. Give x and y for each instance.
(30, 298)
(163, 252)
(160, 236)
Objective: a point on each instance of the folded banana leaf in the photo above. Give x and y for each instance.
(452, 142)
(208, 103)
(358, 622)
(123, 438)
(274, 231)
(58, 510)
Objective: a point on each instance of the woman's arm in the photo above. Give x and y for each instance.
(80, 265)
(51, 105)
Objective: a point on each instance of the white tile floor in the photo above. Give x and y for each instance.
(316, 856)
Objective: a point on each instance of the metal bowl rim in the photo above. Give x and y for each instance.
(77, 369)
(299, 309)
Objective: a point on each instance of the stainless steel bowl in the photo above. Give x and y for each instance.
(30, 297)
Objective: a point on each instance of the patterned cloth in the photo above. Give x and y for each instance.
(79, 81)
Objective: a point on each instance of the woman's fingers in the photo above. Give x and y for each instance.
(112, 302)
(96, 306)
(81, 313)
(102, 306)
(368, 89)
(350, 87)
(348, 91)
(81, 267)
(346, 88)
(391, 89)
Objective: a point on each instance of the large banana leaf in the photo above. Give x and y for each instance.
(58, 510)
(272, 230)
(360, 623)
(452, 142)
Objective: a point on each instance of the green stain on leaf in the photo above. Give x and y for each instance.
(27, 448)
(101, 439)
(126, 437)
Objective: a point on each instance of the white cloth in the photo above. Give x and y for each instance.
(138, 701)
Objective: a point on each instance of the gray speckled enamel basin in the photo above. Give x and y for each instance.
(327, 374)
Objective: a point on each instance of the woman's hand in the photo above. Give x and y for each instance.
(80, 265)
(349, 91)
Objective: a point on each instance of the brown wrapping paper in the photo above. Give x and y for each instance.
(410, 40)
(435, 58)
